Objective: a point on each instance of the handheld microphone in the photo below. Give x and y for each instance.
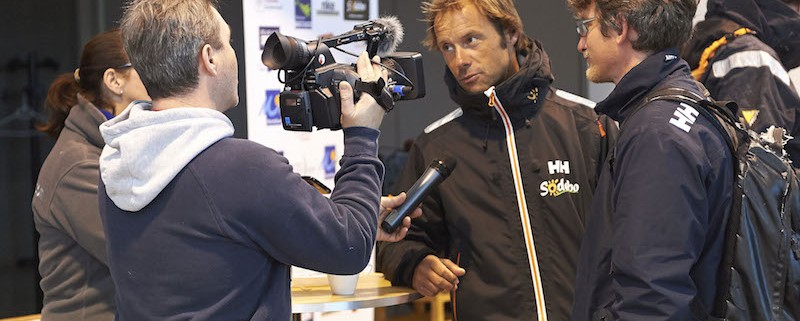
(433, 176)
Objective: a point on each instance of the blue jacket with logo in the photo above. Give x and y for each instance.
(473, 217)
(654, 238)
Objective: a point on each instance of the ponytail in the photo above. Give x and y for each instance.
(103, 51)
(61, 97)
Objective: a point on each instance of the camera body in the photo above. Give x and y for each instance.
(312, 76)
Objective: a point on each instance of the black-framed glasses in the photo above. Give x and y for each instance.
(583, 26)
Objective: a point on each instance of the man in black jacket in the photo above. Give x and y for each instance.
(655, 235)
(751, 45)
(503, 231)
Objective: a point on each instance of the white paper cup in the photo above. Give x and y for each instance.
(343, 284)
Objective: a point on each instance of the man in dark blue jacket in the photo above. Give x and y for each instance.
(654, 237)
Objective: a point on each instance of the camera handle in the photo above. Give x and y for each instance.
(376, 89)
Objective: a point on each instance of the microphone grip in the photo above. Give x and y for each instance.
(421, 188)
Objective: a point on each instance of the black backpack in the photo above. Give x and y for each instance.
(759, 276)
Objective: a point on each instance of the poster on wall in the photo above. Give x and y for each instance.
(315, 153)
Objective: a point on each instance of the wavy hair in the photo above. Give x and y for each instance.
(502, 13)
(661, 24)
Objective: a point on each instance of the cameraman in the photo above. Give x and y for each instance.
(203, 226)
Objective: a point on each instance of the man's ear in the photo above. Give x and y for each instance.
(511, 36)
(626, 34)
(208, 60)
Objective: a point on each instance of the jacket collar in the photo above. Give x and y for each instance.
(85, 119)
(639, 81)
(521, 94)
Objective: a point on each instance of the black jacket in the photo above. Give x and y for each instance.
(655, 235)
(474, 218)
(752, 70)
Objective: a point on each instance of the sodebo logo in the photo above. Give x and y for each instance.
(556, 187)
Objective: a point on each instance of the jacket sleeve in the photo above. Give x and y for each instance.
(75, 208)
(279, 213)
(660, 223)
(427, 235)
(766, 88)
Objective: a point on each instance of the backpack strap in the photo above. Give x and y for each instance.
(720, 115)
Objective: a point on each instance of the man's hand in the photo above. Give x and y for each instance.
(433, 275)
(387, 204)
(367, 112)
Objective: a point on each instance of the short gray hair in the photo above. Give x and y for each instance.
(661, 24)
(163, 39)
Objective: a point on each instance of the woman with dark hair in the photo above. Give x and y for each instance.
(75, 278)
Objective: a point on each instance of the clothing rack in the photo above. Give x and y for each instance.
(25, 112)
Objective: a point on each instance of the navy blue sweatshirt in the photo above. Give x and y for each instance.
(218, 241)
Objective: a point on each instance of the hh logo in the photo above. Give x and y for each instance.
(329, 161)
(558, 166)
(685, 116)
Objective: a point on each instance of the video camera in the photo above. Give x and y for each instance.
(312, 76)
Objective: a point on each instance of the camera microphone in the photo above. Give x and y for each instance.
(394, 35)
(437, 172)
(383, 36)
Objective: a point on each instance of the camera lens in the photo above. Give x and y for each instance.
(282, 52)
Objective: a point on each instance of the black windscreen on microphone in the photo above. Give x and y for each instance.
(433, 176)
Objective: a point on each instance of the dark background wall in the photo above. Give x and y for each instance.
(43, 38)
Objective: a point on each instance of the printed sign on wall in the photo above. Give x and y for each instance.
(316, 153)
(356, 9)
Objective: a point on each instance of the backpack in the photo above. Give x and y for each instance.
(759, 274)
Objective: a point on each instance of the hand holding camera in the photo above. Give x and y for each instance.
(367, 112)
(312, 78)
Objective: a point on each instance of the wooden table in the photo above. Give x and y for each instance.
(372, 291)
(32, 317)
(314, 295)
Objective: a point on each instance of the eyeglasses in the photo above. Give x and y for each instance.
(583, 26)
(127, 65)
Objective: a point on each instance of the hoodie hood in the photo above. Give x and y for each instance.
(774, 22)
(146, 149)
(534, 72)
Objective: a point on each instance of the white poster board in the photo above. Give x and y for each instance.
(314, 153)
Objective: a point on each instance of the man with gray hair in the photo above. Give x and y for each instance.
(655, 236)
(202, 226)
